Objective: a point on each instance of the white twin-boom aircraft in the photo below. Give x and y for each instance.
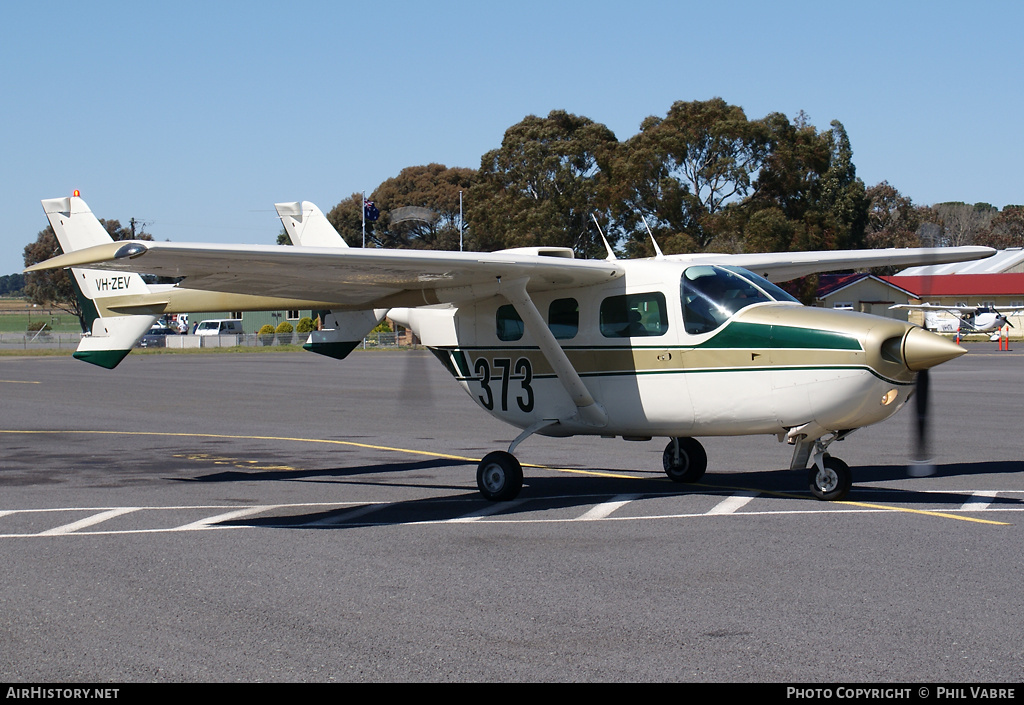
(678, 346)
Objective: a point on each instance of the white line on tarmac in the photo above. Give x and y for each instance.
(227, 516)
(979, 500)
(606, 508)
(88, 521)
(730, 505)
(355, 513)
(490, 509)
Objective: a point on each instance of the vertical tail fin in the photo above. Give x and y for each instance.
(109, 337)
(307, 226)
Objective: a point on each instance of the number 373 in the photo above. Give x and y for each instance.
(521, 372)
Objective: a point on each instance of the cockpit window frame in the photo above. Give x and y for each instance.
(712, 294)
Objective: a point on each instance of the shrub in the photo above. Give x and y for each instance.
(284, 332)
(305, 325)
(266, 334)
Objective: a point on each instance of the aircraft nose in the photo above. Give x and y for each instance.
(922, 350)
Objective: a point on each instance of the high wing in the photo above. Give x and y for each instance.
(367, 278)
(783, 266)
(351, 278)
(323, 270)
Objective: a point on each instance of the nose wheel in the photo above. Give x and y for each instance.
(831, 482)
(499, 476)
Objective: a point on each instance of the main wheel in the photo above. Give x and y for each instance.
(691, 463)
(499, 476)
(833, 483)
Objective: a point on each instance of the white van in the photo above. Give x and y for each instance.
(220, 326)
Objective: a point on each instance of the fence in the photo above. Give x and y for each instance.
(69, 341)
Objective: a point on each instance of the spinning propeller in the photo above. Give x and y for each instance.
(921, 464)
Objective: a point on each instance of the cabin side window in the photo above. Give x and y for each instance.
(634, 315)
(564, 318)
(509, 324)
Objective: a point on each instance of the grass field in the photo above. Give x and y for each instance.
(17, 314)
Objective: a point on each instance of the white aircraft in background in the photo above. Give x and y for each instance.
(677, 346)
(968, 319)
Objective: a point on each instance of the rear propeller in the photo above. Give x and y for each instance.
(921, 464)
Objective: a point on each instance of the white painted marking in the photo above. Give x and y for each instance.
(979, 500)
(227, 516)
(347, 516)
(487, 511)
(605, 509)
(88, 521)
(730, 505)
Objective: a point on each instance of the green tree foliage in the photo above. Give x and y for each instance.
(808, 178)
(707, 178)
(12, 284)
(53, 287)
(542, 185)
(1006, 229)
(681, 173)
(893, 220)
(420, 207)
(347, 219)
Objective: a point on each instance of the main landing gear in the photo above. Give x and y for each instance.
(684, 460)
(499, 476)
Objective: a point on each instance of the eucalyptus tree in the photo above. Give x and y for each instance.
(543, 184)
(684, 172)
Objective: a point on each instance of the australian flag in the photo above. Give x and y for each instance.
(370, 211)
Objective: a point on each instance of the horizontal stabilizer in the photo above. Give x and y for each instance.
(111, 339)
(343, 331)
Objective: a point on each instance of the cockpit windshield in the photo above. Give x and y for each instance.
(711, 294)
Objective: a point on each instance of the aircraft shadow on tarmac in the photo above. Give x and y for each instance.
(348, 475)
(567, 492)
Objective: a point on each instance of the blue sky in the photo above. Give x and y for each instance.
(197, 117)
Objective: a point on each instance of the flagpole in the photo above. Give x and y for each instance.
(362, 210)
(460, 221)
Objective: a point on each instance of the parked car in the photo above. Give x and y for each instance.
(220, 326)
(156, 337)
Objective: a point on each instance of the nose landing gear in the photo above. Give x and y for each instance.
(831, 480)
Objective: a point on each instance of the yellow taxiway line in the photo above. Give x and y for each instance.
(447, 456)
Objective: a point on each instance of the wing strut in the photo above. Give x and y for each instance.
(588, 410)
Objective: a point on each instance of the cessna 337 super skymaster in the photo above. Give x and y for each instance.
(678, 346)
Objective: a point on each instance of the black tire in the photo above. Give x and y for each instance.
(499, 476)
(834, 483)
(692, 464)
